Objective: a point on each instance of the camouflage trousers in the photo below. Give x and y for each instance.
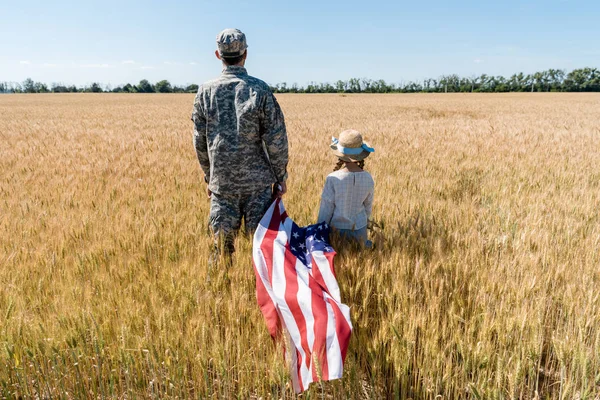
(227, 212)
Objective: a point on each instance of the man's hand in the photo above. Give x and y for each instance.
(281, 189)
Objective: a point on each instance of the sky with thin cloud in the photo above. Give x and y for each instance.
(115, 42)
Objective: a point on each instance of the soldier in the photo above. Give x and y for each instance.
(241, 143)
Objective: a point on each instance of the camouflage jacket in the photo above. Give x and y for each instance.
(237, 125)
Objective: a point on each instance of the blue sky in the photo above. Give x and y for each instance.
(115, 42)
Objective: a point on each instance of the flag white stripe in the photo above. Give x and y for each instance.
(334, 354)
(327, 274)
(304, 297)
(292, 359)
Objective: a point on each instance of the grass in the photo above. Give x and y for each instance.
(483, 284)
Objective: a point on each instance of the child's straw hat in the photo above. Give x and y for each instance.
(350, 146)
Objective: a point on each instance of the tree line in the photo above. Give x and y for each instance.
(552, 80)
(30, 86)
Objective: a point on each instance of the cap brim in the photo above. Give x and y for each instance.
(224, 54)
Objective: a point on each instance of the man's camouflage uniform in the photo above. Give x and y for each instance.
(237, 125)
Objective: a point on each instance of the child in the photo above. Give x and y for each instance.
(347, 198)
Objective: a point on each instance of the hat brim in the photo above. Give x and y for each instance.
(232, 55)
(350, 157)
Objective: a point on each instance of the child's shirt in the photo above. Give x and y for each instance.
(347, 199)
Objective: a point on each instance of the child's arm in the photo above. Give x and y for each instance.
(327, 203)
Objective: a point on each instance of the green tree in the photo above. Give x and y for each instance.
(193, 88)
(145, 87)
(40, 87)
(163, 87)
(95, 88)
(556, 78)
(28, 86)
(58, 88)
(354, 85)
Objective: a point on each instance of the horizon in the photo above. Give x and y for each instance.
(110, 86)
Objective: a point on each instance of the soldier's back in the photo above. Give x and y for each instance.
(233, 107)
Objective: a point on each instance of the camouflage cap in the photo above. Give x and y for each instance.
(231, 43)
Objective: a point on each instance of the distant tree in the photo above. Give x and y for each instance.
(379, 86)
(501, 84)
(58, 88)
(163, 87)
(40, 87)
(365, 85)
(536, 82)
(145, 87)
(328, 88)
(354, 85)
(128, 88)
(96, 88)
(521, 82)
(311, 88)
(594, 79)
(556, 77)
(193, 88)
(586, 79)
(28, 86)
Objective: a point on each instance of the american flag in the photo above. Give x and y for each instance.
(297, 291)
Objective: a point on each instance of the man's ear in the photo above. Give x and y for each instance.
(217, 54)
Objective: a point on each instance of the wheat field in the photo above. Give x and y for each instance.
(484, 282)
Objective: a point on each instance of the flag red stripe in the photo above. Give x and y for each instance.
(265, 302)
(267, 243)
(291, 298)
(320, 314)
(330, 257)
(268, 308)
(342, 328)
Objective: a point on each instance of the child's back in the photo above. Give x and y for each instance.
(347, 199)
